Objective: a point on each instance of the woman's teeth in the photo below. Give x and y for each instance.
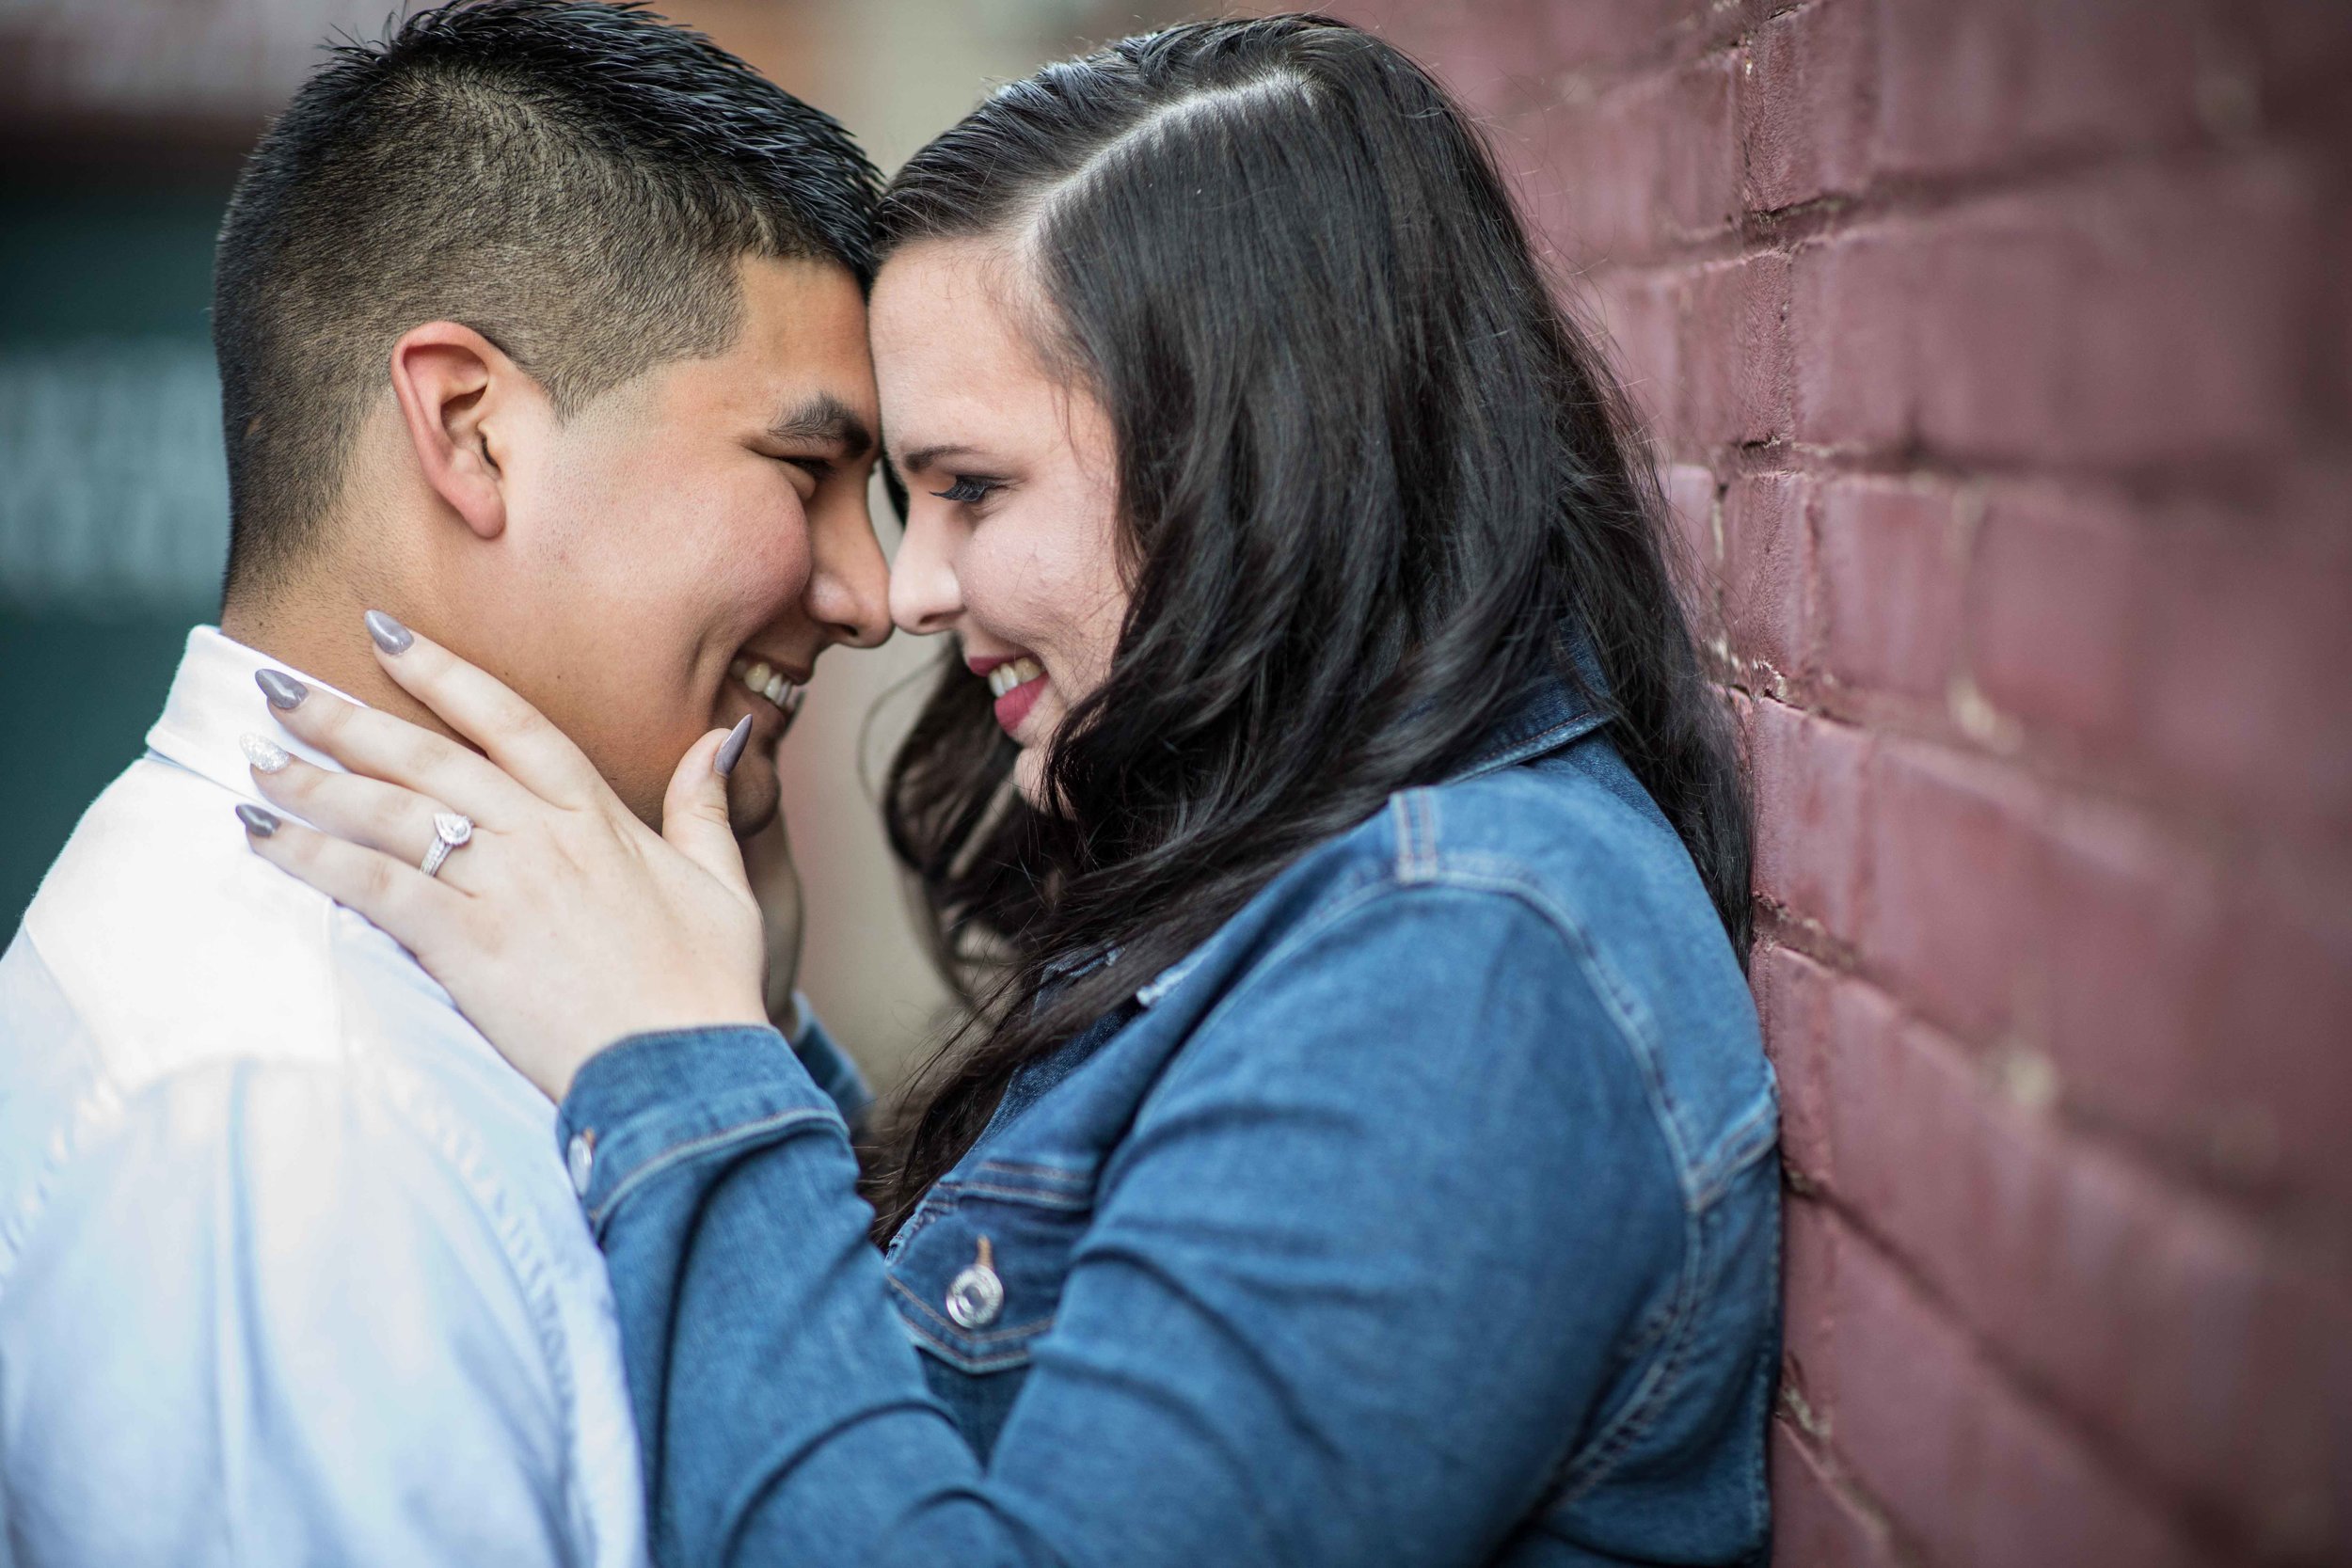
(1013, 672)
(769, 684)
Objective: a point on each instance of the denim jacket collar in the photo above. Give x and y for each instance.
(1554, 713)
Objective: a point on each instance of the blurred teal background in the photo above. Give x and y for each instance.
(114, 516)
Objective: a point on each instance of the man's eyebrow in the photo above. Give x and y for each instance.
(827, 418)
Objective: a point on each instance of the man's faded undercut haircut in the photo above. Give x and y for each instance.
(577, 181)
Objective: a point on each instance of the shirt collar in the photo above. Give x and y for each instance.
(1556, 710)
(214, 701)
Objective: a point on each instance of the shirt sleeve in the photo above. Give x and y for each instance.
(1359, 1275)
(261, 1321)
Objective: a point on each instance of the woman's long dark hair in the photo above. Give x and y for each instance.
(1372, 483)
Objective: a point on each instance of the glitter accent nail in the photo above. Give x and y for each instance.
(266, 755)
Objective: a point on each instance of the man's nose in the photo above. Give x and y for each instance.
(848, 584)
(925, 596)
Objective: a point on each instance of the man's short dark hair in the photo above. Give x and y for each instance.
(575, 181)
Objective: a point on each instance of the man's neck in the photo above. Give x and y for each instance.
(313, 624)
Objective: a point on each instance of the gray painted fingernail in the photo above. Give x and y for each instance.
(389, 635)
(266, 755)
(731, 749)
(259, 823)
(282, 689)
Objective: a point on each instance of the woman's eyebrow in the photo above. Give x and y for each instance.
(924, 457)
(825, 417)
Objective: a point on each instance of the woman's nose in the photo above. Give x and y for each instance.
(925, 596)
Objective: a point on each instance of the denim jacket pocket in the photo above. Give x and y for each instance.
(979, 1277)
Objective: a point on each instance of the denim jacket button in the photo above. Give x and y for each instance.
(579, 1161)
(975, 1295)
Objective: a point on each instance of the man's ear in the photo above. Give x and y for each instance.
(452, 382)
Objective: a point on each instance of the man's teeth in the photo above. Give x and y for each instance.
(768, 683)
(1013, 672)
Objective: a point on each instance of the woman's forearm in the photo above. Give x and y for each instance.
(721, 1187)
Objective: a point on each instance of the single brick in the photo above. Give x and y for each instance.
(1735, 362)
(2053, 613)
(2279, 1080)
(1690, 495)
(1636, 315)
(1954, 858)
(1638, 166)
(1810, 1239)
(1891, 583)
(1969, 87)
(1768, 571)
(1816, 1521)
(1853, 299)
(2125, 929)
(1807, 98)
(2244, 675)
(1486, 54)
(2143, 318)
(1597, 38)
(1811, 824)
(1792, 998)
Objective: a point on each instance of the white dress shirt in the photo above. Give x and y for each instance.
(290, 1269)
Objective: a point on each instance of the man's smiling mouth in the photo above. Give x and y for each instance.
(761, 681)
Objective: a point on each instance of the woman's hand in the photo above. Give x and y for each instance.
(564, 922)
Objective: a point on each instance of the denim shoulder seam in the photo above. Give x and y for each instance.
(1634, 1026)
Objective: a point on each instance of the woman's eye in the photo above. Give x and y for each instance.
(968, 491)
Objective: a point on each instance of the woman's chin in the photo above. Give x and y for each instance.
(1028, 776)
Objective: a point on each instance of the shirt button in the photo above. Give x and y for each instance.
(975, 1295)
(581, 1158)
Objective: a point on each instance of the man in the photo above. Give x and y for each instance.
(541, 327)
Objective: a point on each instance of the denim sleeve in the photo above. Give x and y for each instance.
(1366, 1265)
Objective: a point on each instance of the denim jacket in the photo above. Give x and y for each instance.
(1424, 1215)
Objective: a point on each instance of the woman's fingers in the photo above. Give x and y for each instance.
(479, 706)
(367, 740)
(376, 816)
(416, 910)
(695, 810)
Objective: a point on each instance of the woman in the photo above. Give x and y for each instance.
(1359, 1151)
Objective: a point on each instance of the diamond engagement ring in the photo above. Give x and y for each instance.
(450, 830)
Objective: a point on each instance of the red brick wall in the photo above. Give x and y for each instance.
(2000, 363)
